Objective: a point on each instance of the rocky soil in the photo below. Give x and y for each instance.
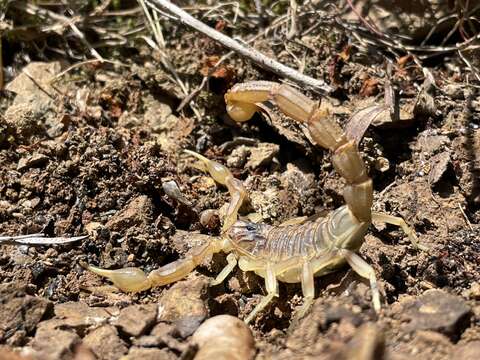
(99, 152)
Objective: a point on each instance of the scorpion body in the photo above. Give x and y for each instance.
(299, 250)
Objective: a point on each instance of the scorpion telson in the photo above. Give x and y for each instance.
(298, 250)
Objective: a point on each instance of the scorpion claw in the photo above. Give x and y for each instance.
(128, 279)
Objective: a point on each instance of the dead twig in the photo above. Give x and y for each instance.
(1, 66)
(465, 217)
(250, 53)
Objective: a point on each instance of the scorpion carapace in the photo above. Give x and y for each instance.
(290, 253)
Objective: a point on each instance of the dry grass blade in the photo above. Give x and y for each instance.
(362, 119)
(39, 239)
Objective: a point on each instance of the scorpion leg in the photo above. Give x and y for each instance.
(134, 279)
(363, 269)
(232, 262)
(223, 176)
(398, 221)
(310, 268)
(308, 289)
(271, 285)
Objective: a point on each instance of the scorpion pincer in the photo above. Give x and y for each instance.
(293, 252)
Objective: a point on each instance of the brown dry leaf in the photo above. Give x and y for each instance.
(369, 87)
(221, 72)
(404, 60)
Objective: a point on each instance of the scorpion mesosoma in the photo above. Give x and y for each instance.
(296, 251)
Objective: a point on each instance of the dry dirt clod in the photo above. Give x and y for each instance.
(224, 337)
(19, 311)
(105, 343)
(136, 213)
(35, 160)
(439, 311)
(135, 320)
(439, 164)
(53, 344)
(38, 88)
(262, 154)
(184, 299)
(468, 351)
(79, 315)
(186, 326)
(136, 353)
(368, 343)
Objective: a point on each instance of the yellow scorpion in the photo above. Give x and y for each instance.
(296, 251)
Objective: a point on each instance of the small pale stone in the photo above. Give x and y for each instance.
(224, 337)
(439, 311)
(183, 299)
(105, 343)
(135, 320)
(136, 353)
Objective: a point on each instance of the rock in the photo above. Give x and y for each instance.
(162, 335)
(105, 343)
(438, 311)
(137, 212)
(136, 353)
(170, 128)
(430, 143)
(262, 154)
(238, 157)
(19, 311)
(158, 115)
(368, 343)
(468, 351)
(80, 315)
(27, 89)
(173, 191)
(33, 111)
(183, 300)
(7, 354)
(439, 164)
(53, 344)
(224, 337)
(473, 292)
(135, 320)
(186, 326)
(35, 160)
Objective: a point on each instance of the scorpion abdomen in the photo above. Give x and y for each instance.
(308, 239)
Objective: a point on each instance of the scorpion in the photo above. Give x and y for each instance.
(296, 251)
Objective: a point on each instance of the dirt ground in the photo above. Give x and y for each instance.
(99, 152)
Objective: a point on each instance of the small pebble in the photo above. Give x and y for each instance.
(224, 337)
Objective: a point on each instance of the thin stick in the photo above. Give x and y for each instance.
(465, 217)
(1, 65)
(254, 55)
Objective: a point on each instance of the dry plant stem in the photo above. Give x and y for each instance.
(1, 66)
(293, 19)
(254, 55)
